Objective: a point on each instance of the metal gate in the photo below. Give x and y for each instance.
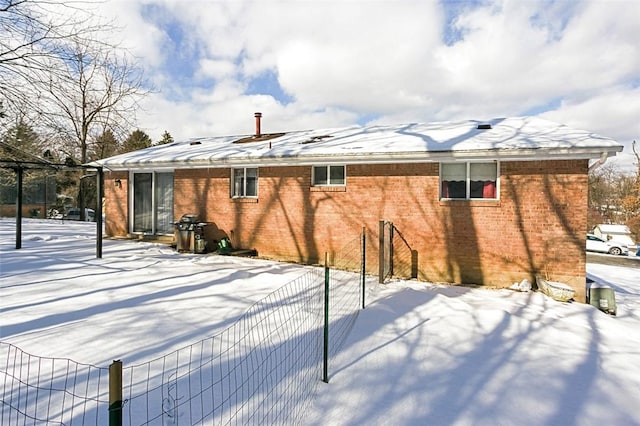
(386, 250)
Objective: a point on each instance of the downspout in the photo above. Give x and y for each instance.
(599, 162)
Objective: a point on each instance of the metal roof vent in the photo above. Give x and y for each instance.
(484, 126)
(315, 139)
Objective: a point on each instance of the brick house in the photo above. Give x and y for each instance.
(475, 202)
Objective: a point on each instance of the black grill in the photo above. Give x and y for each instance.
(190, 234)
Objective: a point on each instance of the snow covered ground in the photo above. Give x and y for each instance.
(418, 354)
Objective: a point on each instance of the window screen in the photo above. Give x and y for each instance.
(244, 182)
(328, 175)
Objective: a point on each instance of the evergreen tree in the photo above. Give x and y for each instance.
(105, 145)
(21, 143)
(136, 140)
(166, 138)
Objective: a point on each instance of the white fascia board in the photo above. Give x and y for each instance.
(578, 153)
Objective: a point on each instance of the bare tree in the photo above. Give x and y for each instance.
(60, 66)
(97, 87)
(636, 153)
(32, 33)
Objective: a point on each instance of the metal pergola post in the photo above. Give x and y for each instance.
(99, 185)
(19, 173)
(19, 168)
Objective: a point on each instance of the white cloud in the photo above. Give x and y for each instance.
(388, 60)
(216, 68)
(608, 112)
(615, 114)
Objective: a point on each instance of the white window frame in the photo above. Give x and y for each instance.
(244, 183)
(328, 168)
(468, 181)
(154, 200)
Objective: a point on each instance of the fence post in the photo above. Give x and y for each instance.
(381, 252)
(115, 393)
(391, 230)
(363, 262)
(325, 352)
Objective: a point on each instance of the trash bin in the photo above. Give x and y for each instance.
(189, 234)
(602, 297)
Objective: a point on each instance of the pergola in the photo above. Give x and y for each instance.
(19, 167)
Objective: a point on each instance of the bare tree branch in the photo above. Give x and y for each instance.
(98, 88)
(62, 69)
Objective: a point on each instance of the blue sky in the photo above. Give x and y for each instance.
(329, 63)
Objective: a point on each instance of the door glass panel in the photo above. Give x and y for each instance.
(142, 202)
(164, 203)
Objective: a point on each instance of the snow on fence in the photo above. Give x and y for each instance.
(264, 369)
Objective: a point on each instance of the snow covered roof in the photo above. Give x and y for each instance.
(515, 139)
(613, 229)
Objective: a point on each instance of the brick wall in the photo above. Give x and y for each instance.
(116, 205)
(537, 226)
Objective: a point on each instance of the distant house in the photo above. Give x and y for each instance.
(488, 202)
(619, 233)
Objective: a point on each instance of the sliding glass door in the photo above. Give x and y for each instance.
(164, 203)
(142, 203)
(153, 203)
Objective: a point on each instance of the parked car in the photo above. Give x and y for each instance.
(612, 247)
(74, 214)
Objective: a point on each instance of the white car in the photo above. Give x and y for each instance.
(612, 247)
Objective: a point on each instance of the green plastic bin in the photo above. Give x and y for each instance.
(224, 246)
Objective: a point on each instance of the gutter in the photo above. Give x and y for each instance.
(599, 162)
(360, 158)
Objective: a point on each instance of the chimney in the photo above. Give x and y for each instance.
(258, 115)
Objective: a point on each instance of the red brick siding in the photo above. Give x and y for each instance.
(116, 206)
(537, 226)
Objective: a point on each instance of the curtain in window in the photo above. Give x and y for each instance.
(489, 190)
(483, 180)
(454, 177)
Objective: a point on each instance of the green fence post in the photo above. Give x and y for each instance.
(325, 352)
(363, 268)
(115, 393)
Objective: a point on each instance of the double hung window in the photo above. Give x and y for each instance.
(469, 181)
(244, 182)
(328, 176)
